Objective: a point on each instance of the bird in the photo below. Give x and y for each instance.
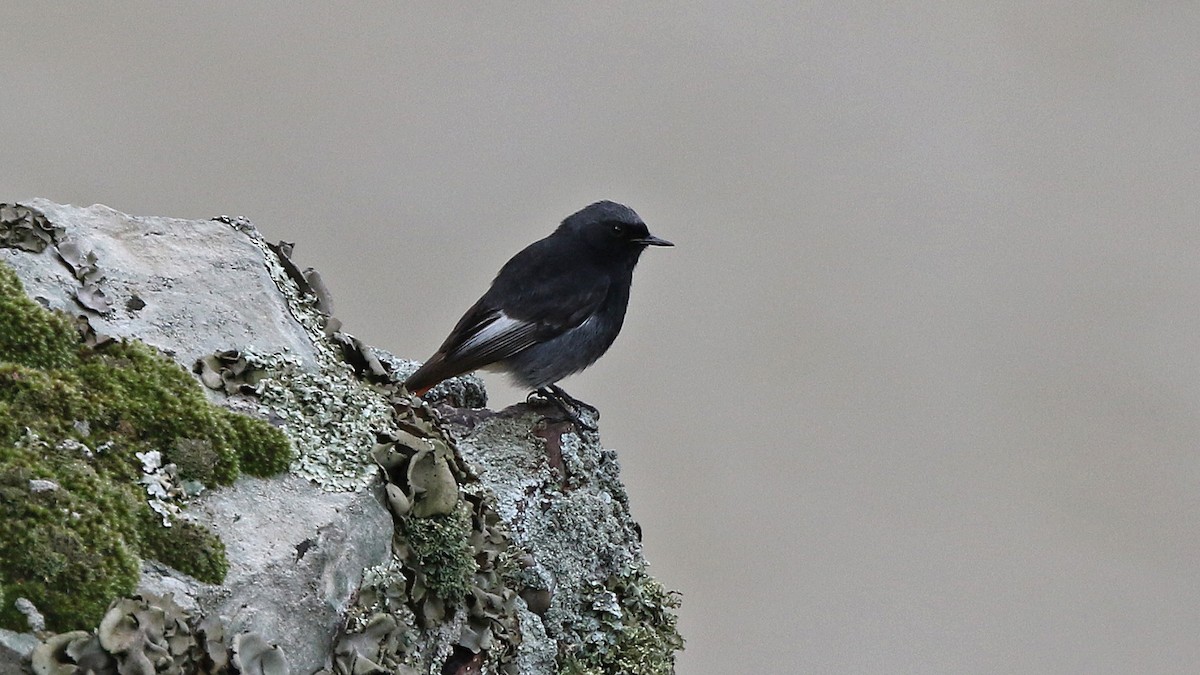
(552, 310)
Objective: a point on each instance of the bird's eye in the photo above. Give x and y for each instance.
(618, 228)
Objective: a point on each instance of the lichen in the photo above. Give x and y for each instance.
(331, 417)
(567, 507)
(441, 553)
(448, 589)
(151, 633)
(623, 623)
(630, 626)
(77, 426)
(142, 437)
(26, 229)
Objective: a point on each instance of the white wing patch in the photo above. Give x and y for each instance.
(493, 332)
(497, 339)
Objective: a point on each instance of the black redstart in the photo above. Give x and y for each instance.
(553, 309)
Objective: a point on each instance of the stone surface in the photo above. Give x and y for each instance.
(188, 287)
(295, 561)
(559, 491)
(14, 651)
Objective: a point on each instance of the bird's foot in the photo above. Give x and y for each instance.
(571, 407)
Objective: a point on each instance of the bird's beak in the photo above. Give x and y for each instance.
(651, 240)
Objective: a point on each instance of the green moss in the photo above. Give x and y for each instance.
(188, 547)
(47, 401)
(195, 458)
(78, 417)
(29, 335)
(69, 547)
(441, 548)
(262, 449)
(131, 384)
(131, 392)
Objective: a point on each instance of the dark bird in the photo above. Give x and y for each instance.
(553, 309)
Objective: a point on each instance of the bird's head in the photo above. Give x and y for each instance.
(611, 228)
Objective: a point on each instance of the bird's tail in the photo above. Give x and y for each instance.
(428, 375)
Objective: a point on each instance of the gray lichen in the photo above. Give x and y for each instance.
(86, 268)
(568, 575)
(29, 230)
(330, 416)
(566, 507)
(451, 573)
(26, 229)
(629, 627)
(152, 634)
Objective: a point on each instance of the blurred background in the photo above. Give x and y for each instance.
(915, 391)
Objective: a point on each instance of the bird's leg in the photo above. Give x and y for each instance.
(570, 405)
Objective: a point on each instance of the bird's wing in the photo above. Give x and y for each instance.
(518, 311)
(488, 333)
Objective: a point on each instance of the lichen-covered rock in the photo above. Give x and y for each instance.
(143, 635)
(545, 575)
(87, 443)
(14, 648)
(80, 503)
(558, 491)
(190, 288)
(402, 538)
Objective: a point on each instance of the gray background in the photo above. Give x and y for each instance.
(915, 392)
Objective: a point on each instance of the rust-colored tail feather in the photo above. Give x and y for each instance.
(428, 375)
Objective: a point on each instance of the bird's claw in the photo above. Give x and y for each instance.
(569, 405)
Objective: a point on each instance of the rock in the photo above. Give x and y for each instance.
(509, 546)
(295, 560)
(15, 649)
(559, 492)
(188, 287)
(193, 288)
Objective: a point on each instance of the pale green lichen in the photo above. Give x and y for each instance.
(452, 595)
(630, 627)
(626, 623)
(446, 595)
(305, 307)
(330, 414)
(331, 417)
